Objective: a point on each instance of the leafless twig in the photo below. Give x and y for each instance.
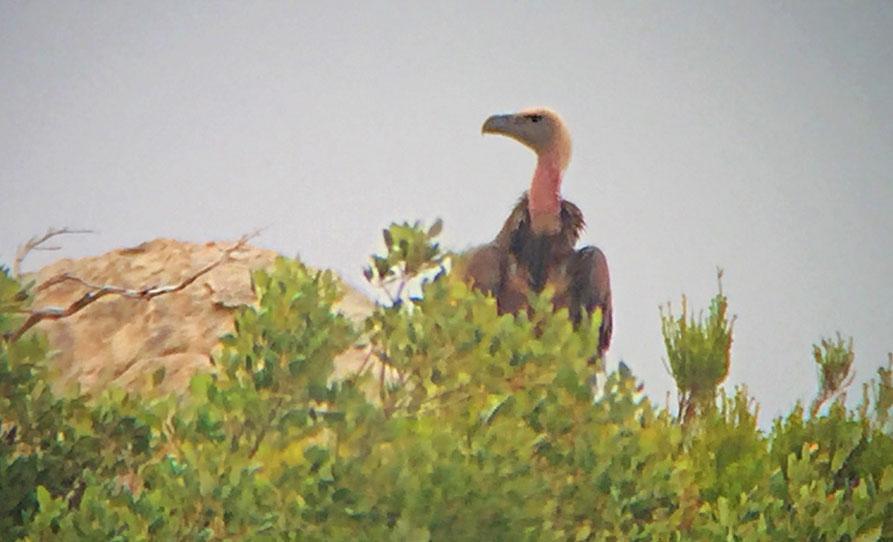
(98, 291)
(381, 388)
(366, 359)
(36, 243)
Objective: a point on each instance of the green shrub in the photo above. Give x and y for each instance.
(699, 353)
(481, 426)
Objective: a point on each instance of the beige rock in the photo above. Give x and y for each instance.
(122, 341)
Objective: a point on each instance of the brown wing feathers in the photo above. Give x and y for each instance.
(519, 260)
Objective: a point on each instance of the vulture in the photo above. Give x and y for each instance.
(536, 245)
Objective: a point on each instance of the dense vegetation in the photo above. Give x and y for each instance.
(482, 427)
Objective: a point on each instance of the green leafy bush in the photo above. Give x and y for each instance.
(699, 353)
(471, 426)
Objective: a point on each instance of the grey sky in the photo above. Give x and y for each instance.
(753, 136)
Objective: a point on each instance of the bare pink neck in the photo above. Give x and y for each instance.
(544, 197)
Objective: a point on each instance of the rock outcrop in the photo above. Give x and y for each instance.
(120, 340)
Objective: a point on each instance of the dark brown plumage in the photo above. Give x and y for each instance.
(536, 248)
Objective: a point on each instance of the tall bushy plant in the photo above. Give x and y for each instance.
(834, 362)
(699, 353)
(877, 399)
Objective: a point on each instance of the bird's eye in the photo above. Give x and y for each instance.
(535, 118)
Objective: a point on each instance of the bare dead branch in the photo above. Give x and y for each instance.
(366, 359)
(381, 388)
(98, 291)
(36, 243)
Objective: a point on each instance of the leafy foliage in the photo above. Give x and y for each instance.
(410, 254)
(699, 352)
(878, 396)
(834, 361)
(475, 426)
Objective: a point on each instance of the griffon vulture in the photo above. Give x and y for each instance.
(536, 245)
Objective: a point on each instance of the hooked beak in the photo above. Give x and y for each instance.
(498, 124)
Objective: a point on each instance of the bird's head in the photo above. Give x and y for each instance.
(539, 128)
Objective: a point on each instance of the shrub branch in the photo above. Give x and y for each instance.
(98, 291)
(37, 243)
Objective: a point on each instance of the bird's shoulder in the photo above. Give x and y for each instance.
(517, 225)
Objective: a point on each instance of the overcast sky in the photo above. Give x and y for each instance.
(753, 136)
